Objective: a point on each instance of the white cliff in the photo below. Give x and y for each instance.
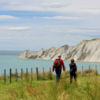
(87, 50)
(25, 54)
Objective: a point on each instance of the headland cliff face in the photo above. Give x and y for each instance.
(87, 50)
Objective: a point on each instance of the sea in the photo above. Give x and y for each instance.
(9, 59)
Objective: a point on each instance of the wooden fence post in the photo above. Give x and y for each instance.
(4, 75)
(21, 74)
(26, 73)
(82, 71)
(43, 74)
(50, 74)
(65, 73)
(89, 71)
(96, 70)
(36, 73)
(10, 75)
(16, 75)
(31, 74)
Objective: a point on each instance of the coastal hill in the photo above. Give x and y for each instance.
(87, 50)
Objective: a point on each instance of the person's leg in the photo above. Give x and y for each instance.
(58, 73)
(57, 77)
(71, 77)
(75, 77)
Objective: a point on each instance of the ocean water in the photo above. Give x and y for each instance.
(12, 61)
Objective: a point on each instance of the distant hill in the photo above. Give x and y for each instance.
(9, 52)
(87, 50)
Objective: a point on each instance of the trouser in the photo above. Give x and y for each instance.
(58, 74)
(72, 75)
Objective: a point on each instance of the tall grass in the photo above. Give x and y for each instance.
(86, 88)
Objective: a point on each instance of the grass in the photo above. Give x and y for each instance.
(86, 88)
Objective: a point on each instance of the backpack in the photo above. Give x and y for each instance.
(57, 64)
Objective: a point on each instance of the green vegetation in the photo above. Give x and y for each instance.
(86, 88)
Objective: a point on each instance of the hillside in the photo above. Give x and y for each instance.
(87, 50)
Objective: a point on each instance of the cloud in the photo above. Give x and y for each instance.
(7, 17)
(54, 22)
(44, 36)
(15, 28)
(81, 30)
(63, 18)
(54, 4)
(21, 28)
(84, 10)
(70, 6)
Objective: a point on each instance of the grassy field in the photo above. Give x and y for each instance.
(86, 88)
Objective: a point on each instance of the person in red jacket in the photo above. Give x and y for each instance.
(58, 64)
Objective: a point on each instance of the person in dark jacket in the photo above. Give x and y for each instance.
(58, 64)
(73, 70)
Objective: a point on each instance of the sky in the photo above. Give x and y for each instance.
(36, 24)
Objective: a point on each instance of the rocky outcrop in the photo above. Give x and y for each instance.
(87, 50)
(25, 54)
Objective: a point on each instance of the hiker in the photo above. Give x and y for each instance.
(57, 66)
(73, 70)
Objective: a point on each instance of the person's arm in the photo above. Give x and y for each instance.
(69, 67)
(75, 68)
(53, 67)
(63, 65)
